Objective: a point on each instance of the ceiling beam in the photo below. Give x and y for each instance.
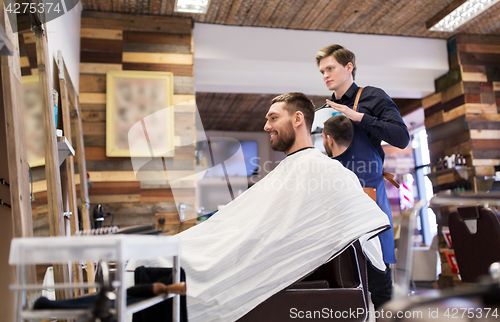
(443, 13)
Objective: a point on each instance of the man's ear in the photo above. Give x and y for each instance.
(329, 140)
(298, 118)
(349, 67)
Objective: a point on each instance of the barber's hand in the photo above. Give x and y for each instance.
(355, 116)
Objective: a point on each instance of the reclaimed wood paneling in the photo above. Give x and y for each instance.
(99, 33)
(93, 68)
(129, 22)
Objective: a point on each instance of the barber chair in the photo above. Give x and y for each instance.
(475, 233)
(335, 289)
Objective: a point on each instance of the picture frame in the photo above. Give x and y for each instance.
(139, 114)
(33, 120)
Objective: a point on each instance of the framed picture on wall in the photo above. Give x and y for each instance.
(139, 114)
(33, 120)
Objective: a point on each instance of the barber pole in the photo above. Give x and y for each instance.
(405, 192)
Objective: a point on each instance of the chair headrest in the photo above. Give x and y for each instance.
(469, 212)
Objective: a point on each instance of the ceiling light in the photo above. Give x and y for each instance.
(453, 17)
(191, 6)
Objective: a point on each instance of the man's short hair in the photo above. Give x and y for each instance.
(340, 129)
(298, 102)
(341, 55)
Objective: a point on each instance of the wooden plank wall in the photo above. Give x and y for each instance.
(131, 42)
(463, 115)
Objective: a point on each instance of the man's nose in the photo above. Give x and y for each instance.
(267, 127)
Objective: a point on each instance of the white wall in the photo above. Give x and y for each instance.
(264, 60)
(63, 34)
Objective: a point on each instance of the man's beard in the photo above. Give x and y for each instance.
(285, 139)
(328, 150)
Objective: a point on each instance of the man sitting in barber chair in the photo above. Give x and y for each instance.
(303, 213)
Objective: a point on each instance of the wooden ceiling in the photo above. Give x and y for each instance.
(245, 112)
(383, 17)
(237, 112)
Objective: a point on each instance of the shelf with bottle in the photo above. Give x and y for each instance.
(454, 176)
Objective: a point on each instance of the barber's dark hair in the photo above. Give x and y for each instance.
(341, 55)
(340, 129)
(298, 102)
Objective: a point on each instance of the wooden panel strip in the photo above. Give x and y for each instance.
(152, 176)
(25, 62)
(94, 140)
(184, 85)
(478, 48)
(160, 24)
(104, 199)
(485, 144)
(29, 38)
(93, 107)
(151, 165)
(473, 69)
(96, 68)
(93, 116)
(114, 188)
(484, 125)
(92, 98)
(477, 39)
(485, 162)
(486, 154)
(488, 98)
(93, 83)
(452, 92)
(474, 77)
(156, 48)
(178, 70)
(434, 119)
(431, 100)
(157, 195)
(479, 58)
(106, 45)
(100, 57)
(155, 58)
(179, 99)
(99, 33)
(484, 117)
(94, 128)
(156, 38)
(485, 134)
(178, 184)
(484, 171)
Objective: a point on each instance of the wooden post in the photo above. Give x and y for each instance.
(17, 160)
(82, 171)
(53, 176)
(66, 86)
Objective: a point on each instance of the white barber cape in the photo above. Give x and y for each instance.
(292, 221)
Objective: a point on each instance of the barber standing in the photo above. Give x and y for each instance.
(375, 118)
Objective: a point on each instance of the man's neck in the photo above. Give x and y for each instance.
(339, 92)
(338, 150)
(300, 143)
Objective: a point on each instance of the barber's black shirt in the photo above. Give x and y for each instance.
(382, 120)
